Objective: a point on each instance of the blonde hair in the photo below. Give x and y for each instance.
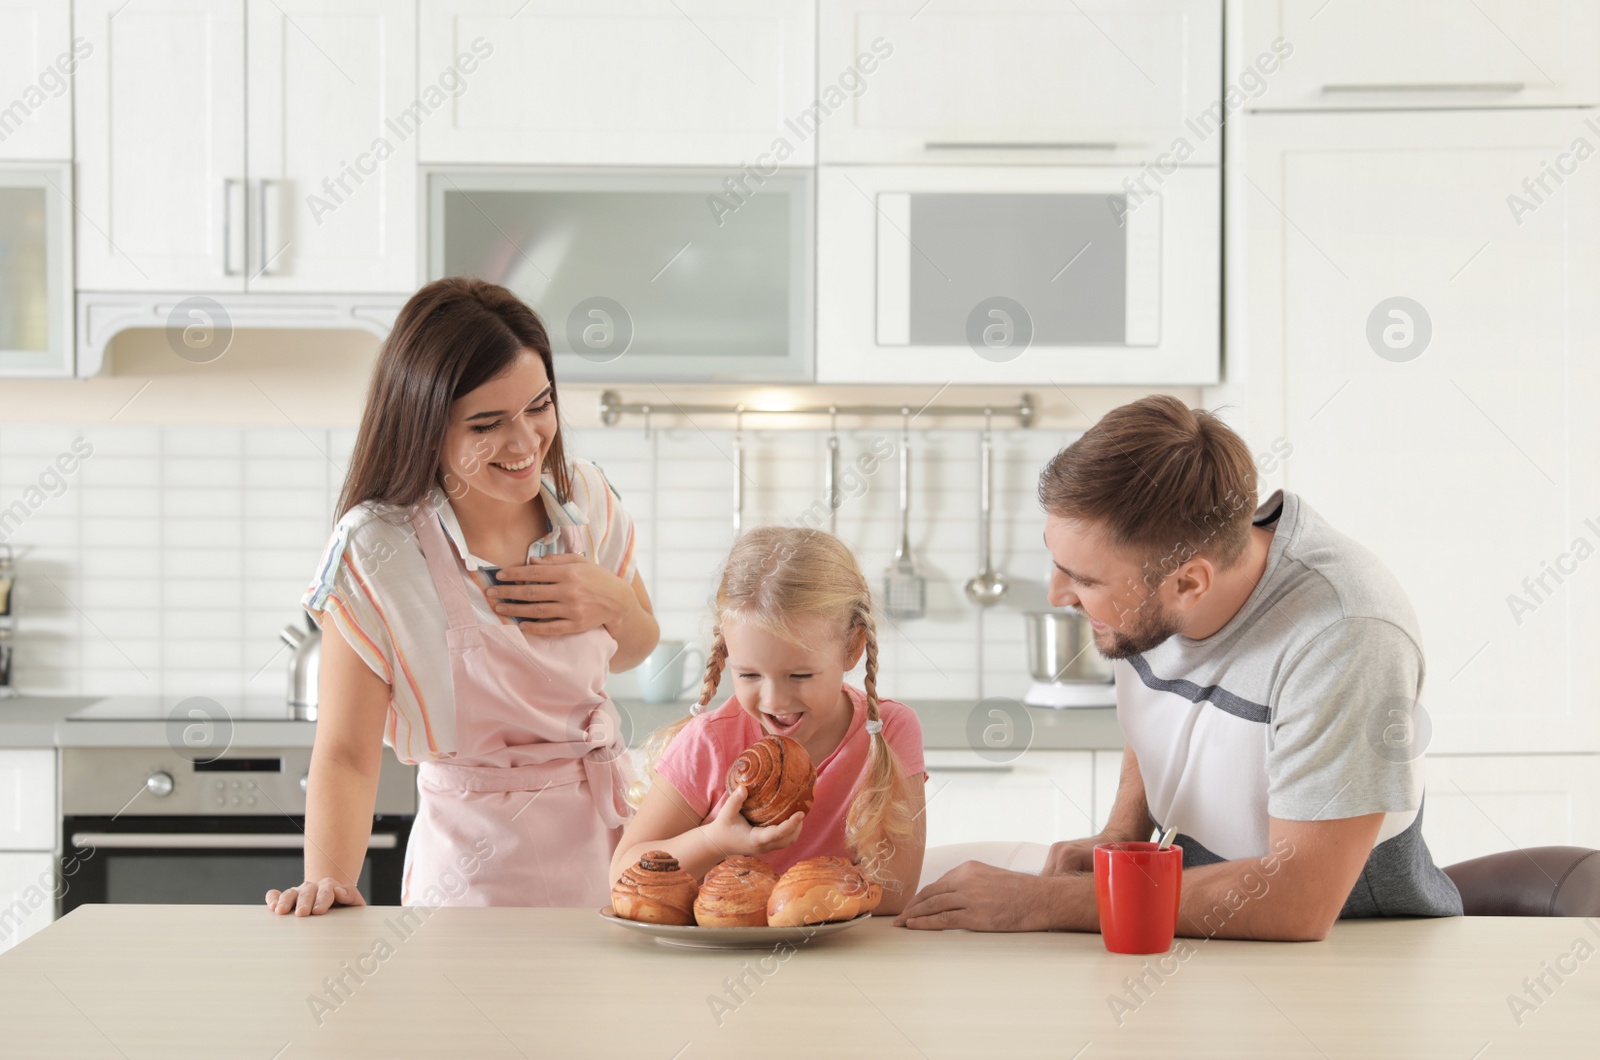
(774, 576)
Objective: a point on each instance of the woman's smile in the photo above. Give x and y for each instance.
(518, 469)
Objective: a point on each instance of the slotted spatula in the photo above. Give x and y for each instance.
(905, 592)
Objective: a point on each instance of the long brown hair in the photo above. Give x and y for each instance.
(450, 338)
(774, 576)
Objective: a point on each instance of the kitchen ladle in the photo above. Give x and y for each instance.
(988, 586)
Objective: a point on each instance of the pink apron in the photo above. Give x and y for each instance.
(531, 807)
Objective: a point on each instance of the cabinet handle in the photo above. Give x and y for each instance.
(1023, 145)
(974, 767)
(228, 184)
(1442, 86)
(264, 191)
(208, 841)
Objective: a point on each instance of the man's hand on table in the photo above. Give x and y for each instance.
(1074, 855)
(980, 897)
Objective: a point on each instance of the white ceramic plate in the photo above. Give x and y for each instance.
(744, 938)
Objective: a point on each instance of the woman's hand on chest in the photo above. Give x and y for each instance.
(570, 593)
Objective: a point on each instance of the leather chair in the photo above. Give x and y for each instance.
(1536, 881)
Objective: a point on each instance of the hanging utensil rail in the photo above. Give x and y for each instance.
(613, 408)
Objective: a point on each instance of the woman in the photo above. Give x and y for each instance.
(458, 483)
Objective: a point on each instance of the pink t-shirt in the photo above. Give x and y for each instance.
(696, 764)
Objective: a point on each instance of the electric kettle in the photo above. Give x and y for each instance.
(304, 665)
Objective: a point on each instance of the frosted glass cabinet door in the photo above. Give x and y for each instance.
(35, 271)
(655, 275)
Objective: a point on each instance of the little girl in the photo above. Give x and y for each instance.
(793, 616)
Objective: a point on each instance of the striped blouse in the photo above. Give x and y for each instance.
(373, 582)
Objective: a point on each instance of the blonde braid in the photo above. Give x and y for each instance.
(715, 660)
(869, 678)
(878, 821)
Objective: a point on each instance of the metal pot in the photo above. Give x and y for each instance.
(304, 666)
(1061, 648)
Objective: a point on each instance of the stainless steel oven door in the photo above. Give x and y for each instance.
(207, 860)
(158, 826)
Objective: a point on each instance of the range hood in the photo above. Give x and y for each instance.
(102, 315)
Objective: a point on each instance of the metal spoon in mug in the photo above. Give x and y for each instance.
(1166, 838)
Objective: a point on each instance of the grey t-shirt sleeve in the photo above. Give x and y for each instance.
(1338, 744)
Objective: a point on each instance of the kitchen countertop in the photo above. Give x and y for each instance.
(204, 981)
(41, 721)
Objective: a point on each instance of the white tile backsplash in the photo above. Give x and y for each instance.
(177, 554)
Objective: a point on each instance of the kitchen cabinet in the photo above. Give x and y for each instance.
(28, 885)
(327, 201)
(1407, 54)
(333, 149)
(1039, 81)
(28, 819)
(694, 82)
(635, 278)
(36, 324)
(1422, 328)
(159, 146)
(1038, 797)
(37, 60)
(1485, 804)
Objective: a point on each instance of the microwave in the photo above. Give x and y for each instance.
(1019, 274)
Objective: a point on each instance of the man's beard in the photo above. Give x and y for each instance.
(1150, 627)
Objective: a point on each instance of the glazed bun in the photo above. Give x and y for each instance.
(655, 891)
(819, 890)
(735, 892)
(778, 780)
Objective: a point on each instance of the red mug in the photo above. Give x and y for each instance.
(1137, 888)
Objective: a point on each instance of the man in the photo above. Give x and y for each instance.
(1268, 671)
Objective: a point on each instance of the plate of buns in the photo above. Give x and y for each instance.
(742, 903)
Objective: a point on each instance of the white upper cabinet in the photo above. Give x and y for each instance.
(160, 146)
(327, 201)
(650, 82)
(1409, 54)
(1422, 329)
(1034, 81)
(333, 149)
(37, 60)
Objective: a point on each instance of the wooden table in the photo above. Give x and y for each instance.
(214, 981)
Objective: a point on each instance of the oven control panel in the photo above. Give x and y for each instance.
(99, 781)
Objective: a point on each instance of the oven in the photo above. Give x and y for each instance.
(152, 826)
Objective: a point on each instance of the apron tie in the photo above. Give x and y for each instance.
(605, 765)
